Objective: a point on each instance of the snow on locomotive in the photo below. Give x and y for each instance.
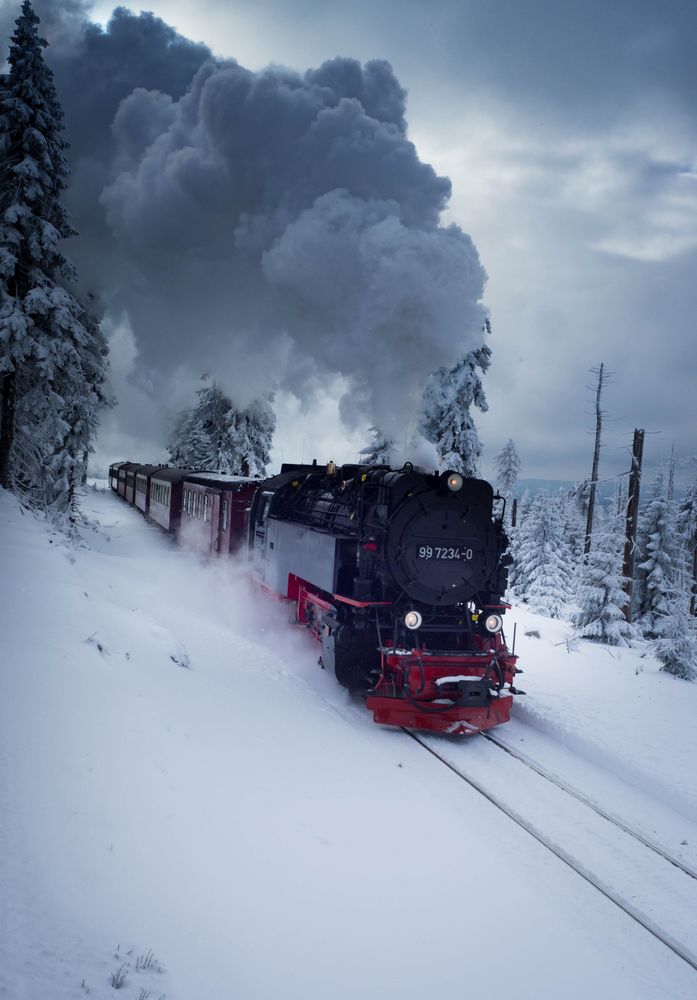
(400, 576)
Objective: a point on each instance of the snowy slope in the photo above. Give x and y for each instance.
(178, 776)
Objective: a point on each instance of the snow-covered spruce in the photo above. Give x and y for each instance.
(52, 353)
(543, 568)
(676, 645)
(686, 524)
(380, 450)
(658, 567)
(254, 427)
(600, 595)
(507, 466)
(215, 436)
(516, 536)
(573, 530)
(446, 420)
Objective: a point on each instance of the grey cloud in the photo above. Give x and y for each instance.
(581, 62)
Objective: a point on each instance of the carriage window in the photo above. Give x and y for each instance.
(197, 504)
(225, 504)
(205, 507)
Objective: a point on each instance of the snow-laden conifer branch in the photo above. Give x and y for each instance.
(216, 436)
(52, 354)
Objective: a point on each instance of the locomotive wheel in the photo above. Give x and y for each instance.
(355, 659)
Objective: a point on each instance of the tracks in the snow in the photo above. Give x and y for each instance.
(548, 776)
(566, 857)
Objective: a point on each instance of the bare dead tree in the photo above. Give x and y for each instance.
(603, 378)
(671, 474)
(632, 519)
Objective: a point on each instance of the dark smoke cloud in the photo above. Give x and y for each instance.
(261, 223)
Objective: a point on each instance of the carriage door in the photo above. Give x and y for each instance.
(260, 525)
(214, 517)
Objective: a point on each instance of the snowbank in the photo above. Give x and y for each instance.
(613, 705)
(189, 803)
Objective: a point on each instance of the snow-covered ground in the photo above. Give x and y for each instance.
(189, 803)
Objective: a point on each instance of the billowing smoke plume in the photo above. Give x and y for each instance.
(262, 225)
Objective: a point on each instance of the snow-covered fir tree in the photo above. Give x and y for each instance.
(515, 537)
(380, 451)
(180, 445)
(254, 428)
(543, 575)
(676, 630)
(601, 596)
(580, 496)
(573, 530)
(446, 420)
(686, 524)
(507, 466)
(205, 437)
(658, 566)
(52, 354)
(215, 436)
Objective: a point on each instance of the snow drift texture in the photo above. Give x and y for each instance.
(255, 220)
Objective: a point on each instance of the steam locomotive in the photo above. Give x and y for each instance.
(399, 575)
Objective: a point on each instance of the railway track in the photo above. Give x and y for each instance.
(580, 797)
(670, 941)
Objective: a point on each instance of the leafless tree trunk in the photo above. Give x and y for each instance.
(632, 518)
(7, 423)
(602, 380)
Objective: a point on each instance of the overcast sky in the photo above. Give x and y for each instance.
(568, 132)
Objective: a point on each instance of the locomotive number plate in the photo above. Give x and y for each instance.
(443, 552)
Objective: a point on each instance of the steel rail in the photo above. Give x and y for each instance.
(681, 951)
(538, 769)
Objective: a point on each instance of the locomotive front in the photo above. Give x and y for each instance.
(400, 575)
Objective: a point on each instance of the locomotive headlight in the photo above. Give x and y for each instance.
(413, 619)
(493, 623)
(455, 482)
